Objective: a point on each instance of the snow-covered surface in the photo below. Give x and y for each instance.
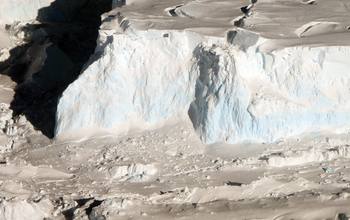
(174, 72)
(11, 11)
(42, 10)
(6, 89)
(29, 11)
(169, 174)
(244, 83)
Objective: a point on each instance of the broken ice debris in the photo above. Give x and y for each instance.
(133, 171)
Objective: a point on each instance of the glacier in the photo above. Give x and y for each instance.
(236, 84)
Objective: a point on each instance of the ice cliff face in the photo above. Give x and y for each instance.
(235, 94)
(266, 96)
(232, 88)
(128, 79)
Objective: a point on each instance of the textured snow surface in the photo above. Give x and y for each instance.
(24, 12)
(17, 209)
(170, 174)
(235, 87)
(11, 11)
(42, 10)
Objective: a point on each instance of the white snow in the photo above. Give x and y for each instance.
(11, 11)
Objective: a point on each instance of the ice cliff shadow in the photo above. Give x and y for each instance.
(52, 57)
(208, 63)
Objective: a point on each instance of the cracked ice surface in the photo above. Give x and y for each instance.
(155, 61)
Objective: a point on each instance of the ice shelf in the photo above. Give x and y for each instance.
(236, 80)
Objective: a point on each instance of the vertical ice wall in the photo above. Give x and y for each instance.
(148, 79)
(237, 93)
(265, 96)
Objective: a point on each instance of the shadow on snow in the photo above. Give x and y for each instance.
(52, 58)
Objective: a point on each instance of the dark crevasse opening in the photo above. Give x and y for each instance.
(52, 58)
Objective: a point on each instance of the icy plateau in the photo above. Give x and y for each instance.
(235, 80)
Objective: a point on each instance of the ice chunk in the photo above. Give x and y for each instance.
(242, 37)
(22, 209)
(139, 171)
(5, 115)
